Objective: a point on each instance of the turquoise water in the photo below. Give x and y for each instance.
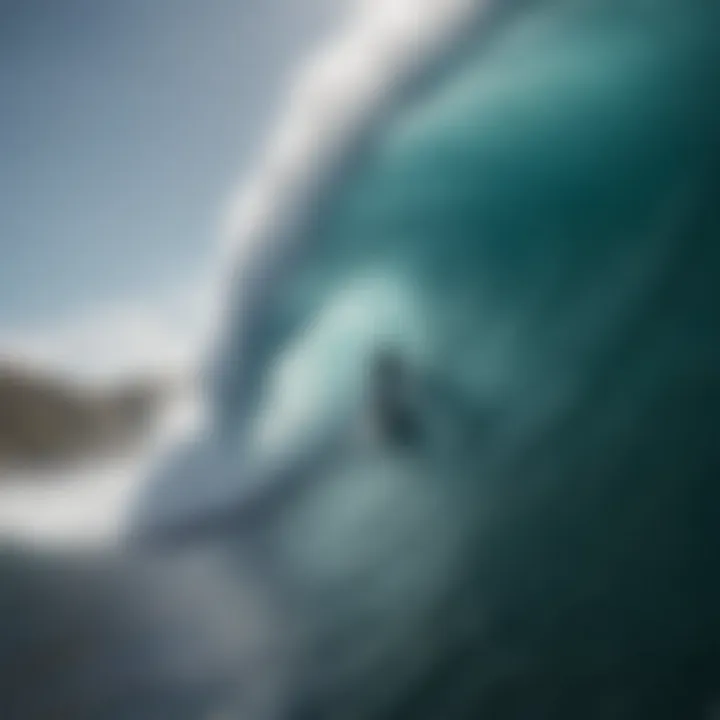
(549, 210)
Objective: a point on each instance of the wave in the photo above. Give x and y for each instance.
(508, 243)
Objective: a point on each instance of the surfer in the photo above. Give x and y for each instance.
(395, 411)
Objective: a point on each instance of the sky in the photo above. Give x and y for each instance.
(124, 127)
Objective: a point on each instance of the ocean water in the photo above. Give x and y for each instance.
(516, 514)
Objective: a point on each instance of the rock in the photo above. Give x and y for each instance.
(48, 419)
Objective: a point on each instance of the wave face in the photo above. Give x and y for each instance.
(533, 234)
(466, 449)
(550, 208)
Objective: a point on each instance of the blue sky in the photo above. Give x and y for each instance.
(124, 126)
